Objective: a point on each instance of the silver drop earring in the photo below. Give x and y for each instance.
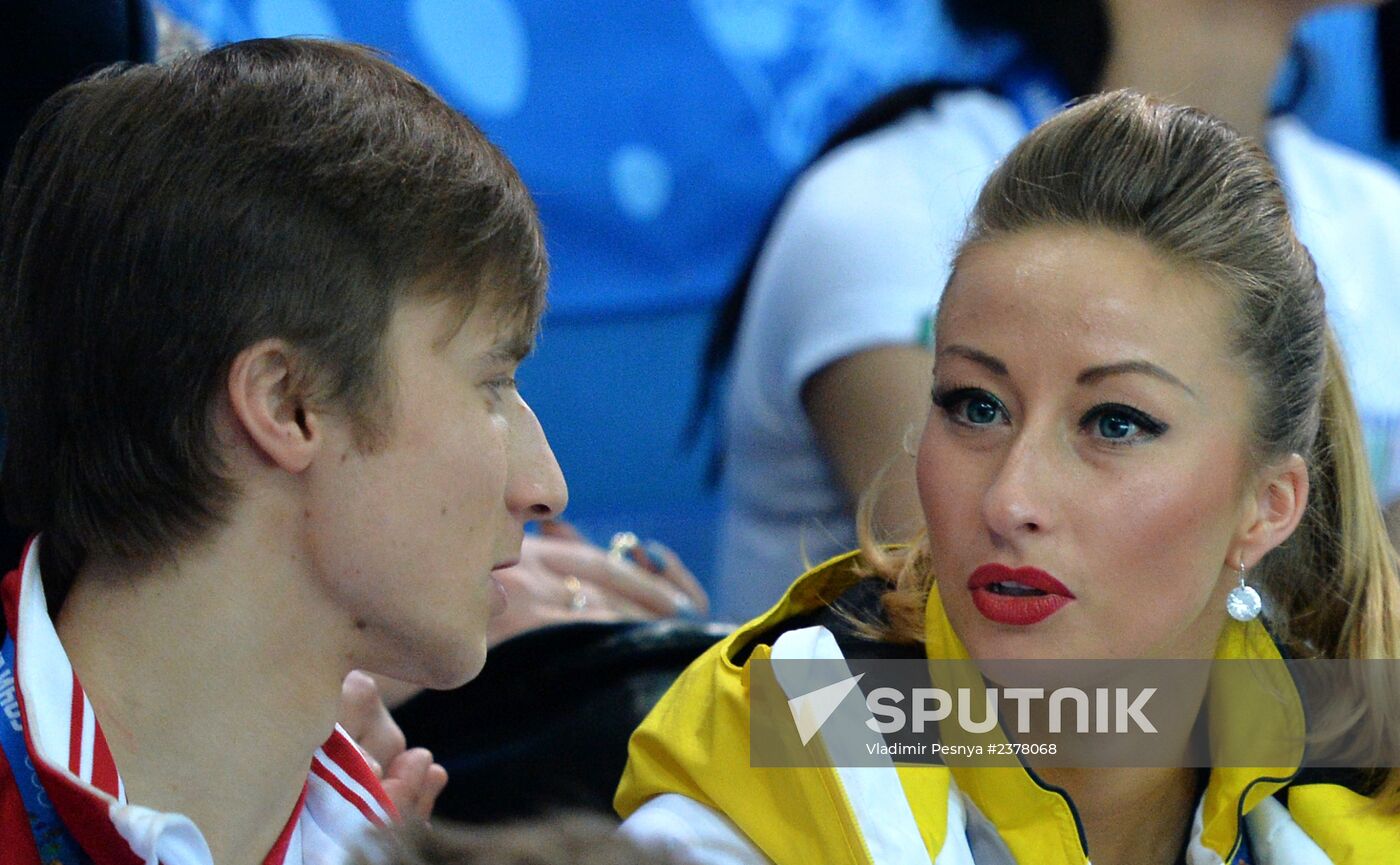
(1244, 603)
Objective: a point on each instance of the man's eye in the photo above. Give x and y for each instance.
(501, 386)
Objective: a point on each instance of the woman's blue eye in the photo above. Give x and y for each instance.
(1122, 424)
(970, 406)
(1114, 426)
(980, 410)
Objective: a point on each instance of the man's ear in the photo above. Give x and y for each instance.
(1276, 506)
(264, 399)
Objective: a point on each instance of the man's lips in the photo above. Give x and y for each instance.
(503, 565)
(1031, 578)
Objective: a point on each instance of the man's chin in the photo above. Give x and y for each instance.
(468, 665)
(442, 668)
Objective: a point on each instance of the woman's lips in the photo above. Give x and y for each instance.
(1016, 596)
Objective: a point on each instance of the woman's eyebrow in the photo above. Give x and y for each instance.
(996, 366)
(1089, 376)
(1098, 373)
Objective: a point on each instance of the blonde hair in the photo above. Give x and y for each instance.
(1207, 199)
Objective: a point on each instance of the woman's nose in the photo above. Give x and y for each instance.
(1016, 502)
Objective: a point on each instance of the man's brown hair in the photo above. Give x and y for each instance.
(158, 219)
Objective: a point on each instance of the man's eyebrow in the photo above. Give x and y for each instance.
(977, 357)
(511, 348)
(1098, 373)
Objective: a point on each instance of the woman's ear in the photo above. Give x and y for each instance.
(269, 407)
(1274, 509)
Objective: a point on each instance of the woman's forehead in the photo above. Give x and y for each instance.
(1091, 279)
(1082, 294)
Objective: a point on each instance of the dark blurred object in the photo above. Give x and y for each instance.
(1388, 35)
(44, 46)
(560, 839)
(545, 726)
(1069, 36)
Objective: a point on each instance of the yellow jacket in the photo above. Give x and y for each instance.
(689, 765)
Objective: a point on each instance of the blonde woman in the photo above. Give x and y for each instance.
(1138, 406)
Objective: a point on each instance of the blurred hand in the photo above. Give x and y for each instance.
(409, 776)
(564, 578)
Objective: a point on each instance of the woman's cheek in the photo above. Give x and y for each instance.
(1168, 532)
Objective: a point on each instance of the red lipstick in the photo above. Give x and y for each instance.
(1016, 596)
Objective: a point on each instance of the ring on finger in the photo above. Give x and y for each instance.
(578, 601)
(621, 546)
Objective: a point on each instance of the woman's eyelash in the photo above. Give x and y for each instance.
(1143, 421)
(948, 397)
(951, 399)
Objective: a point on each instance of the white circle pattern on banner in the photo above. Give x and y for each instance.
(641, 181)
(479, 48)
(753, 29)
(295, 18)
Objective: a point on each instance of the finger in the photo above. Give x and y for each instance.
(560, 529)
(434, 782)
(545, 615)
(359, 695)
(677, 574)
(406, 782)
(630, 583)
(563, 616)
(618, 578)
(550, 602)
(527, 582)
(588, 603)
(645, 557)
(365, 718)
(384, 741)
(393, 693)
(626, 611)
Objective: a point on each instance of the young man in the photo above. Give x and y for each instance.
(261, 311)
